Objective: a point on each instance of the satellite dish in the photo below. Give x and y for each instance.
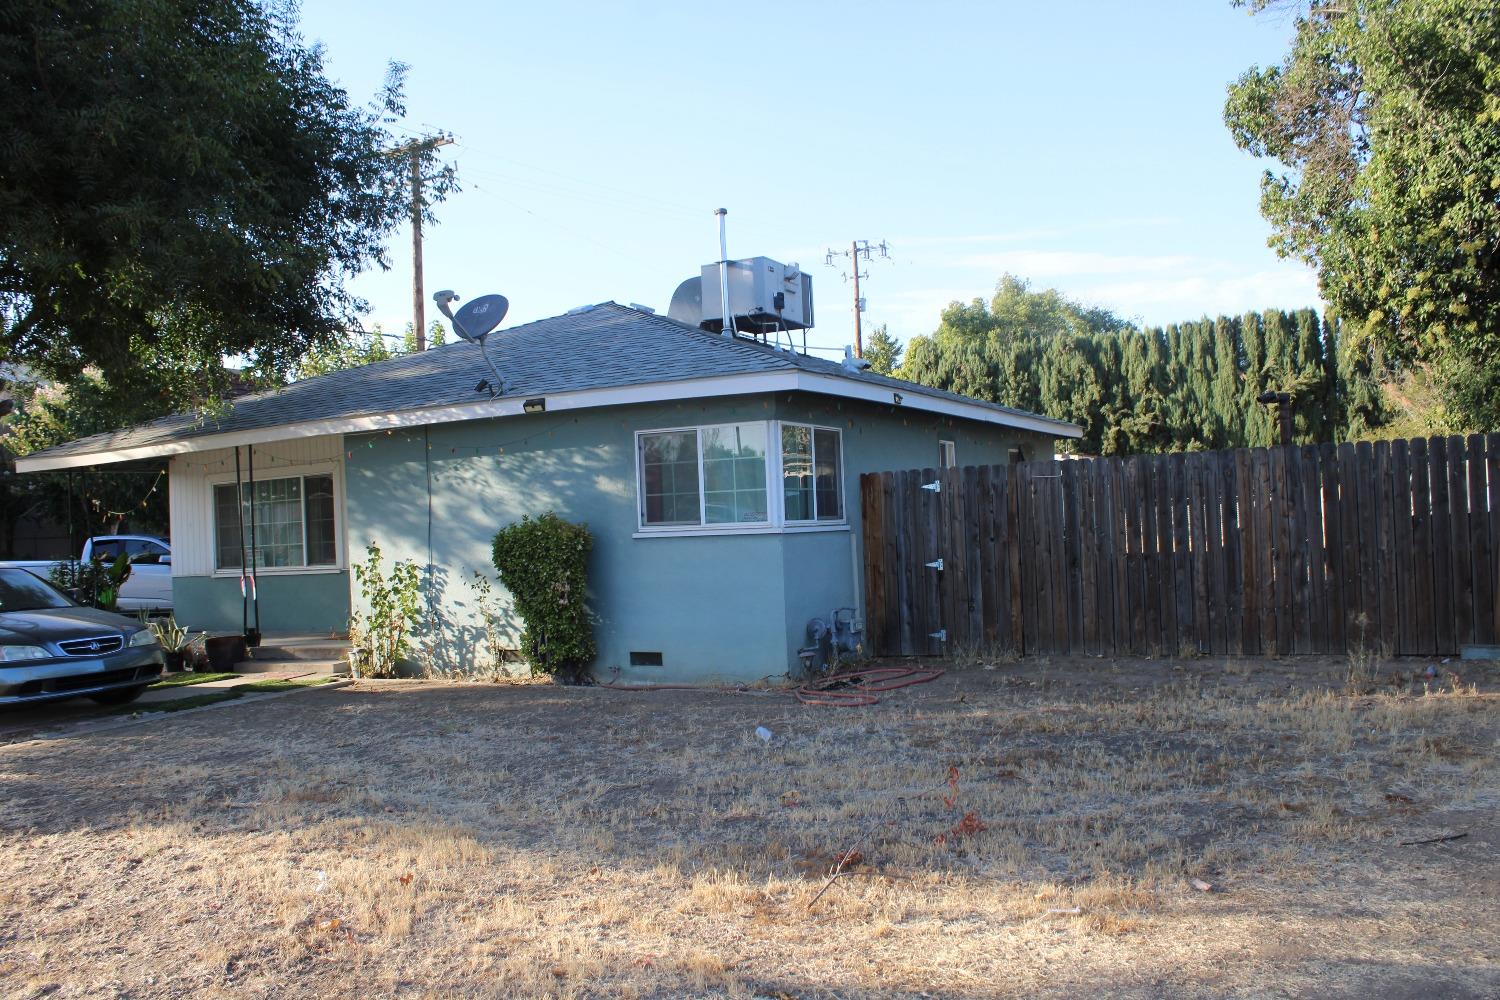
(480, 316)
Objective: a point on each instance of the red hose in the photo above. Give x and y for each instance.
(863, 685)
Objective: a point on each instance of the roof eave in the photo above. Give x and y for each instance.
(725, 385)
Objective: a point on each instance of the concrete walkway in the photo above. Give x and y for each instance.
(156, 696)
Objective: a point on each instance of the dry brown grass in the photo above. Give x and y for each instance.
(1029, 829)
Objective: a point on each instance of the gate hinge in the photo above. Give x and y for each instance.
(938, 565)
(936, 487)
(941, 635)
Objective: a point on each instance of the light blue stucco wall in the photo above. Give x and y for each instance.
(724, 607)
(712, 606)
(304, 602)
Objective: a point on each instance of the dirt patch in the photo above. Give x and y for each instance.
(1046, 828)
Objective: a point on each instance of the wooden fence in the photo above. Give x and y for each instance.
(1316, 549)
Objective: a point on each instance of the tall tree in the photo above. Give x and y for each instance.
(182, 183)
(1187, 386)
(1385, 118)
(883, 351)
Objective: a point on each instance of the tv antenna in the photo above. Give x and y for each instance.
(858, 250)
(474, 322)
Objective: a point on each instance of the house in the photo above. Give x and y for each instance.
(719, 476)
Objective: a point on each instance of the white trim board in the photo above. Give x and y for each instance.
(511, 406)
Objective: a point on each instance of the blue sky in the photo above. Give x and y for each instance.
(1076, 144)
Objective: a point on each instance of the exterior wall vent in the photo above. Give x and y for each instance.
(645, 658)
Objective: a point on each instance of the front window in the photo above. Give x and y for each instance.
(294, 522)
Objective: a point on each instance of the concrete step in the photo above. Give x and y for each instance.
(333, 649)
(297, 667)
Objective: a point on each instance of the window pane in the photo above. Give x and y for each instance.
(669, 478)
(734, 473)
(322, 549)
(828, 474)
(796, 472)
(226, 527)
(276, 528)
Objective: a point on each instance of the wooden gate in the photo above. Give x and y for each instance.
(1390, 545)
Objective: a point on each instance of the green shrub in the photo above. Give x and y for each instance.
(394, 603)
(95, 583)
(544, 565)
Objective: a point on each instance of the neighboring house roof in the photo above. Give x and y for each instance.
(600, 355)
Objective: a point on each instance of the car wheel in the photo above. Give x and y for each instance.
(120, 696)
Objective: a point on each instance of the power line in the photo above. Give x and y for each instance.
(858, 250)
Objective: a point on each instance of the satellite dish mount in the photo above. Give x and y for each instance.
(473, 322)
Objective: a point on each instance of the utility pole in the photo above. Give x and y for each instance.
(858, 250)
(415, 149)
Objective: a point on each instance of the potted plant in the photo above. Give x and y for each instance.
(176, 640)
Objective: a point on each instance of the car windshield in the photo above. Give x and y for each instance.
(20, 591)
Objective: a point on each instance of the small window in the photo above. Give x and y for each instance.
(947, 455)
(811, 473)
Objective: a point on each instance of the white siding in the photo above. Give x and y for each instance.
(191, 497)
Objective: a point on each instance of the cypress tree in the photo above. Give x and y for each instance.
(1184, 386)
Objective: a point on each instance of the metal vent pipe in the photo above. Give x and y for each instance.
(724, 274)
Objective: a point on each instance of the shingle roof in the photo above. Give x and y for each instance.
(598, 347)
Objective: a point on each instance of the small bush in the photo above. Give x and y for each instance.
(544, 565)
(394, 603)
(95, 583)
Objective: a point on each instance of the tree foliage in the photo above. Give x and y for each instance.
(883, 352)
(182, 183)
(1385, 119)
(1185, 386)
(94, 500)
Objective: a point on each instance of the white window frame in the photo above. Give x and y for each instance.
(333, 469)
(947, 454)
(775, 523)
(843, 518)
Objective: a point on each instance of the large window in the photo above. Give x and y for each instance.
(706, 475)
(294, 522)
(718, 476)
